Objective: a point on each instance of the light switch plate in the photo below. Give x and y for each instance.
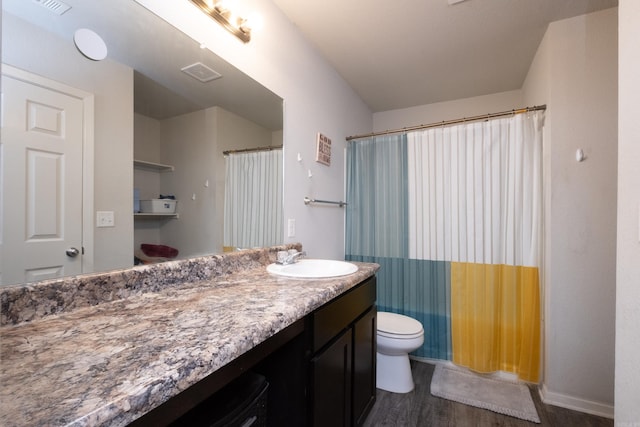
(105, 219)
(291, 228)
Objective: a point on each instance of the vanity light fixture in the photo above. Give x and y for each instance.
(218, 10)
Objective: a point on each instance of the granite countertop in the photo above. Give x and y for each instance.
(111, 363)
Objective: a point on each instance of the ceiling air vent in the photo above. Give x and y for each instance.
(201, 72)
(54, 6)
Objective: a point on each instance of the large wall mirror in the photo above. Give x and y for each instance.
(161, 118)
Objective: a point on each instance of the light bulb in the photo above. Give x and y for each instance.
(253, 23)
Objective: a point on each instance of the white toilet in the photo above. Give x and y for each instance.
(396, 337)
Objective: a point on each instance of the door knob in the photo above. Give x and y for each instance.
(72, 252)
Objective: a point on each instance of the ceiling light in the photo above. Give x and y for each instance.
(90, 44)
(221, 12)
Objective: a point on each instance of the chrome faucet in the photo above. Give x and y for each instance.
(289, 257)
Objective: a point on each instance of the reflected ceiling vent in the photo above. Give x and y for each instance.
(54, 6)
(201, 72)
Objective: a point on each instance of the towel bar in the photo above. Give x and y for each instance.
(308, 201)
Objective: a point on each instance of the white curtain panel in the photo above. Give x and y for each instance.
(253, 199)
(475, 191)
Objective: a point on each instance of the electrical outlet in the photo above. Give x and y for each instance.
(105, 219)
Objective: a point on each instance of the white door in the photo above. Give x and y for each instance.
(41, 175)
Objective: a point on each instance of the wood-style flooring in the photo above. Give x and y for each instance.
(419, 408)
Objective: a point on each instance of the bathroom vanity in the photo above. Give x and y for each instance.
(343, 335)
(146, 346)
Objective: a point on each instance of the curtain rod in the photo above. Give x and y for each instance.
(451, 122)
(251, 150)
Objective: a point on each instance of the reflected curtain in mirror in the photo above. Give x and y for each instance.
(253, 199)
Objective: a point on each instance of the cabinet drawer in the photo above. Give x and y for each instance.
(337, 314)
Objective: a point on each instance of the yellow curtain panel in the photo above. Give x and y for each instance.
(495, 318)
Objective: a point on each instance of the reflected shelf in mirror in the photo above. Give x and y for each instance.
(144, 215)
(157, 167)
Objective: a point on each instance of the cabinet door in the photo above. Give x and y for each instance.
(331, 384)
(364, 366)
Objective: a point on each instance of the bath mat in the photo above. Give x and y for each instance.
(503, 397)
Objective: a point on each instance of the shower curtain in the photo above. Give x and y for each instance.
(453, 215)
(253, 199)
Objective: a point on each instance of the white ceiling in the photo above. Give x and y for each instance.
(403, 53)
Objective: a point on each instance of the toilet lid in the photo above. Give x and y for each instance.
(397, 324)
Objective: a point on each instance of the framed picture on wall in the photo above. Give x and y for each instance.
(323, 149)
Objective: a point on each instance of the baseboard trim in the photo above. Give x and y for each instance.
(549, 397)
(574, 403)
(431, 361)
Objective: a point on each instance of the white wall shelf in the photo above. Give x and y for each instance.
(157, 167)
(144, 215)
(153, 167)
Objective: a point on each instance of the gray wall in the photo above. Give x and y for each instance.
(31, 49)
(575, 74)
(628, 245)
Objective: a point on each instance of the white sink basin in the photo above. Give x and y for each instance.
(313, 268)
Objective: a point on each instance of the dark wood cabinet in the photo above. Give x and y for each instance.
(320, 370)
(331, 383)
(343, 363)
(364, 366)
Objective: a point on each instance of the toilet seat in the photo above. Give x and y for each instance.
(392, 325)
